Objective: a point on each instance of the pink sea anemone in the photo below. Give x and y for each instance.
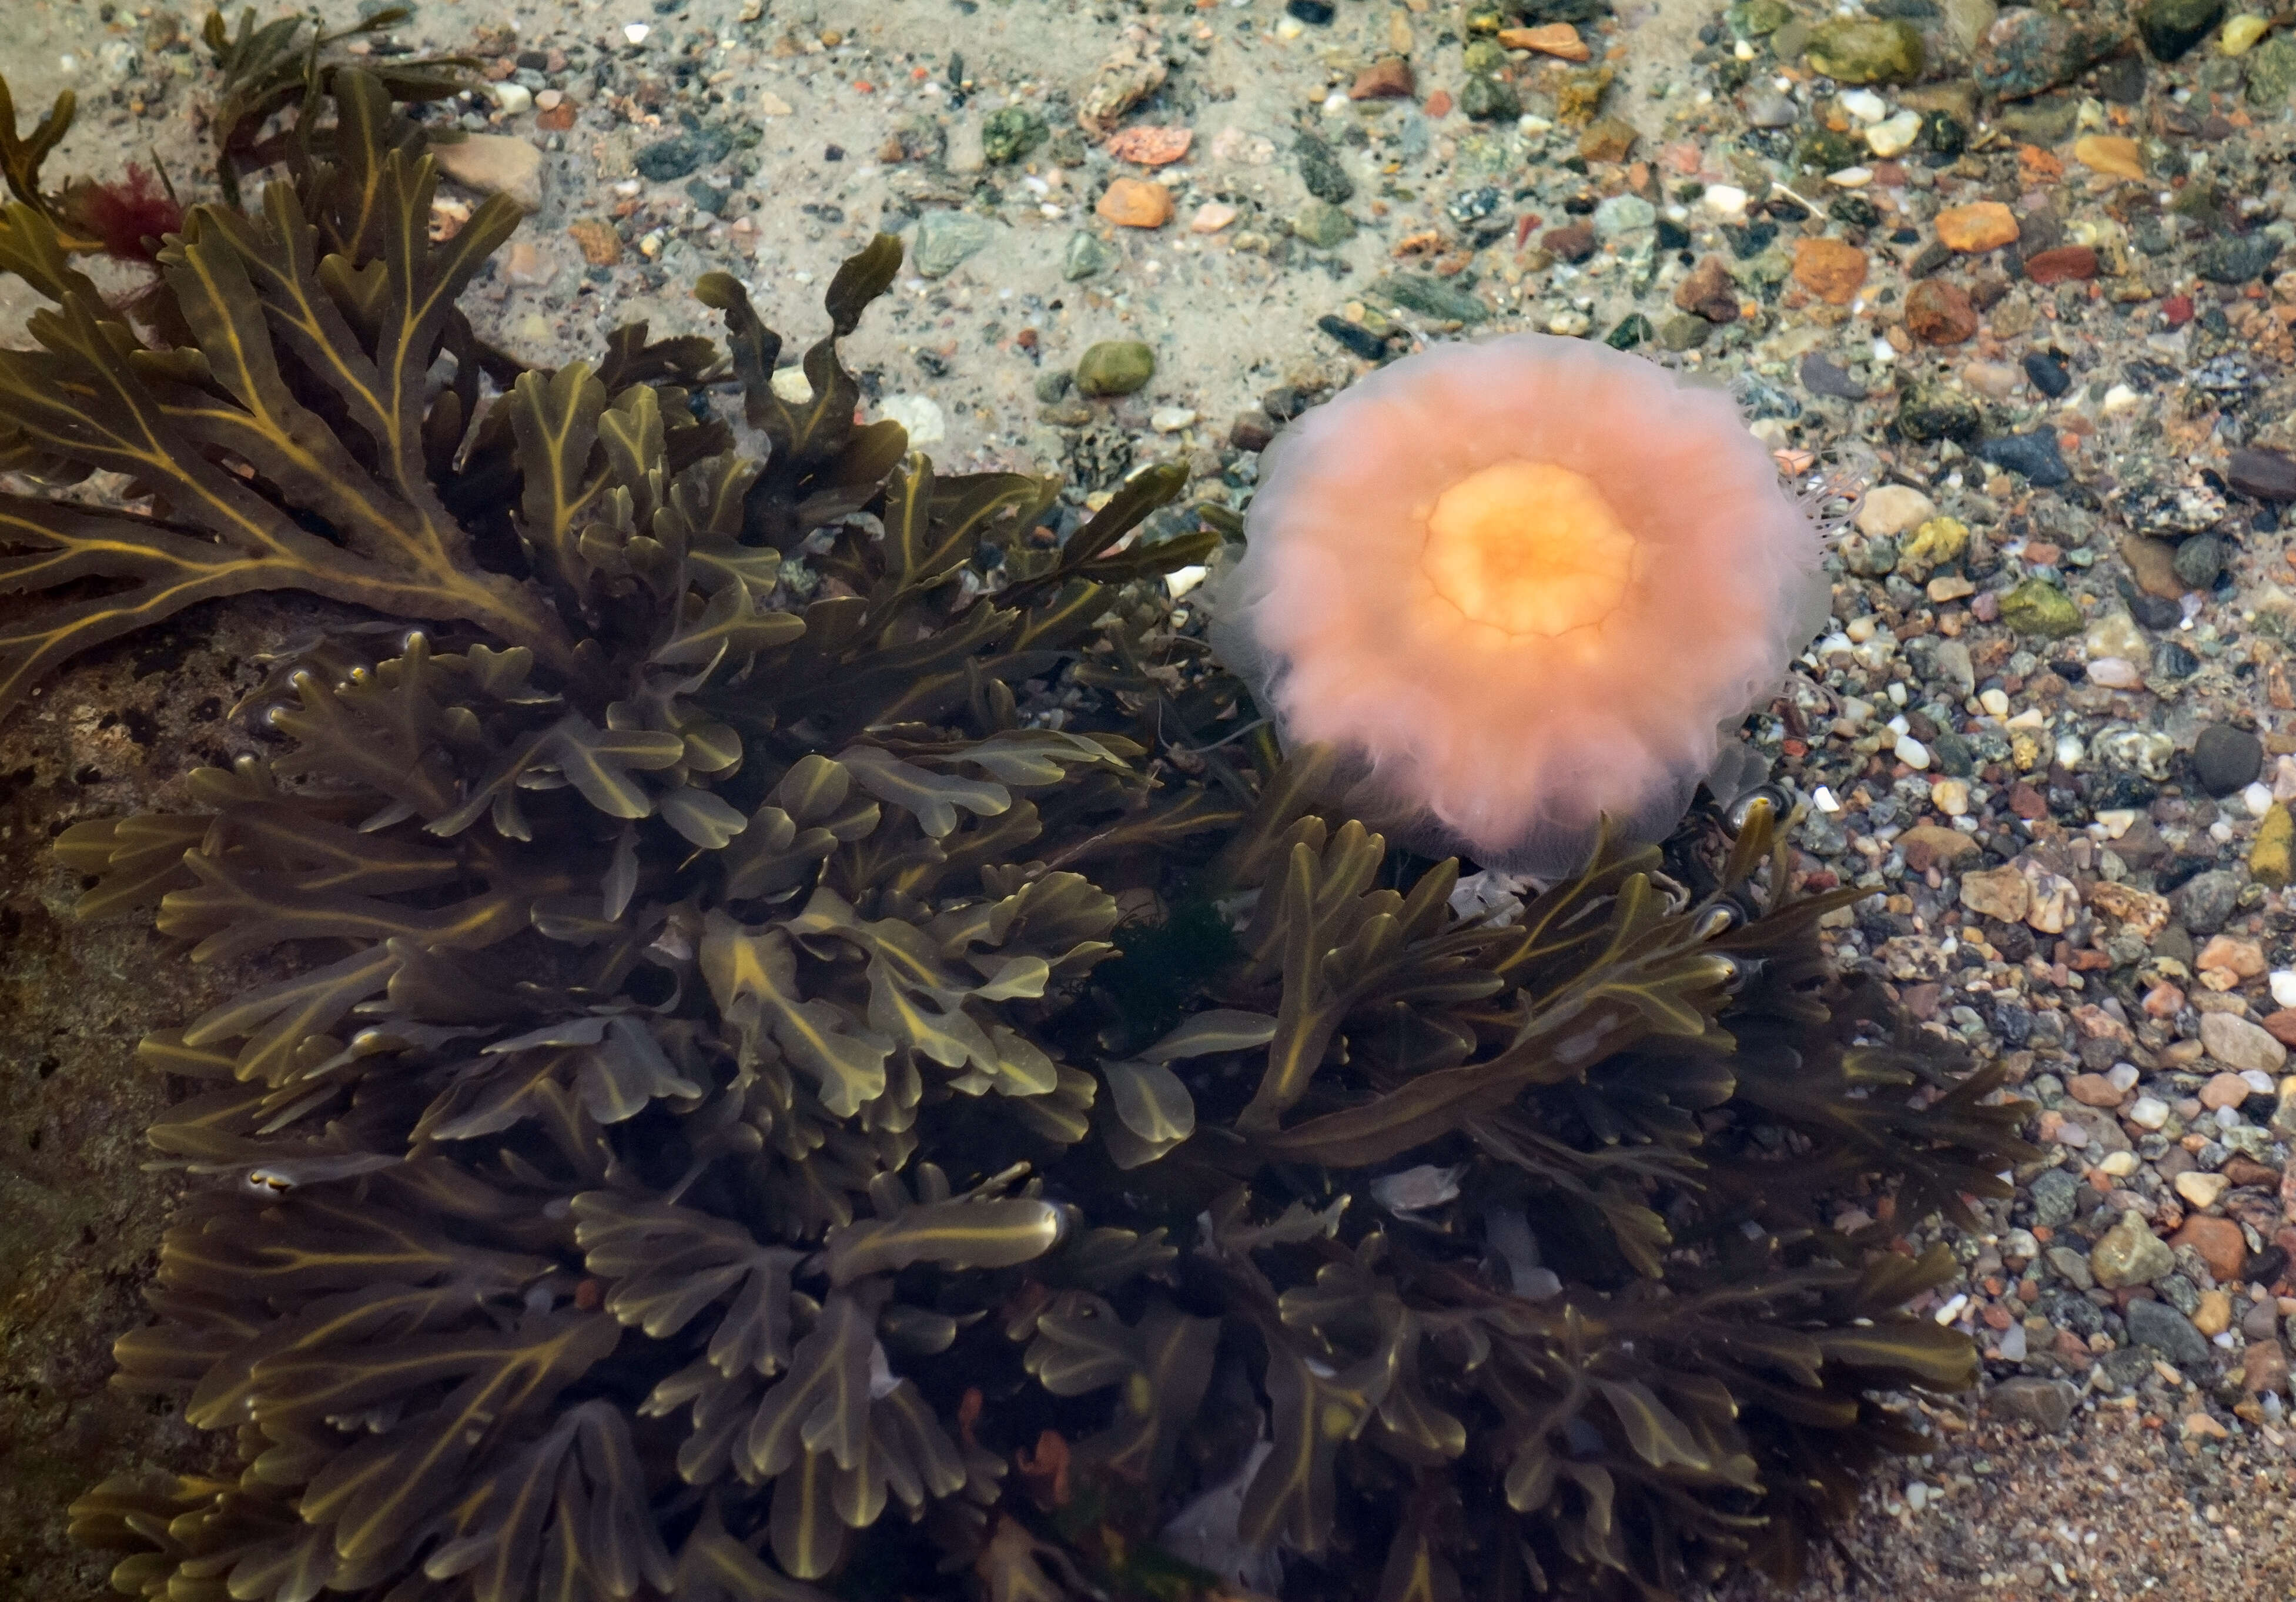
(1522, 584)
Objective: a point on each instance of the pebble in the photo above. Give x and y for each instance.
(2227, 758)
(495, 164)
(1134, 204)
(1557, 39)
(2268, 476)
(515, 100)
(1171, 419)
(2242, 32)
(1977, 227)
(1939, 313)
(2034, 456)
(946, 240)
(1894, 136)
(1086, 255)
(2130, 1253)
(2112, 154)
(918, 416)
(1323, 225)
(1115, 368)
(2238, 1044)
(1388, 79)
(1709, 292)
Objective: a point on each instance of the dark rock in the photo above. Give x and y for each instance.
(1251, 431)
(1634, 329)
(1316, 12)
(2121, 80)
(2032, 455)
(2268, 476)
(1672, 235)
(2166, 1331)
(2170, 28)
(1320, 170)
(1822, 377)
(666, 160)
(2227, 758)
(1283, 403)
(706, 196)
(2172, 661)
(2027, 51)
(2046, 1404)
(2203, 903)
(2047, 372)
(2155, 613)
(2198, 561)
(1355, 336)
(2240, 259)
(1930, 411)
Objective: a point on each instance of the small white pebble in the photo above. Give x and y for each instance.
(2148, 1112)
(1824, 800)
(920, 414)
(2259, 1081)
(2120, 398)
(2258, 798)
(1171, 419)
(635, 32)
(628, 187)
(1865, 105)
(2122, 1077)
(2120, 1165)
(2070, 751)
(1896, 136)
(1950, 797)
(1912, 752)
(1850, 177)
(791, 385)
(2284, 986)
(514, 99)
(1180, 581)
(2114, 673)
(1726, 200)
(1996, 703)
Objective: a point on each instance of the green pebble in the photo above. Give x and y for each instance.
(1856, 50)
(1323, 225)
(2272, 71)
(1115, 368)
(1086, 256)
(1486, 99)
(2038, 607)
(1634, 329)
(1682, 332)
(1432, 297)
(1484, 55)
(1010, 134)
(1752, 19)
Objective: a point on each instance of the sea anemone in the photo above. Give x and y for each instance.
(1523, 583)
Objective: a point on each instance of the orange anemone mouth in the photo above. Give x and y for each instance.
(1526, 550)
